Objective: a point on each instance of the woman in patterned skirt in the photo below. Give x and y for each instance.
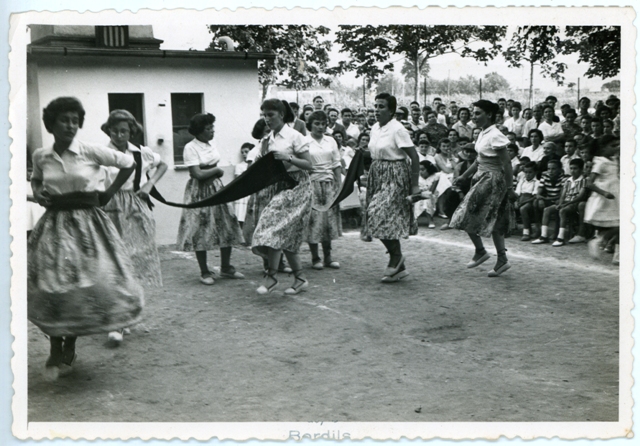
(486, 209)
(129, 209)
(326, 179)
(209, 227)
(79, 277)
(388, 213)
(284, 219)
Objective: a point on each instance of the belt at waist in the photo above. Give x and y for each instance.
(74, 200)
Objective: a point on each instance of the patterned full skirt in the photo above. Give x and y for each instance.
(210, 227)
(282, 223)
(323, 226)
(388, 213)
(137, 228)
(257, 203)
(79, 277)
(486, 207)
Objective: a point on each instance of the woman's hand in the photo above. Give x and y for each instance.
(143, 193)
(42, 197)
(282, 156)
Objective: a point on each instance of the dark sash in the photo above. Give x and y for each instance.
(356, 169)
(74, 200)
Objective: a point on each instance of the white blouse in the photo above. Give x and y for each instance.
(78, 169)
(489, 140)
(150, 160)
(198, 153)
(386, 142)
(288, 141)
(325, 157)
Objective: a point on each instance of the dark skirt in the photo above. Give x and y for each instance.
(388, 213)
(79, 277)
(137, 228)
(323, 226)
(283, 221)
(210, 227)
(486, 207)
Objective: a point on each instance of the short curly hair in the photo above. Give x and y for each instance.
(62, 105)
(199, 122)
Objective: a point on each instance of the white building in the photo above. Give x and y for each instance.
(111, 67)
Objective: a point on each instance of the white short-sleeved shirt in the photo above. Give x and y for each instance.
(386, 142)
(464, 129)
(197, 153)
(533, 155)
(150, 160)
(325, 157)
(253, 154)
(287, 141)
(550, 130)
(489, 140)
(78, 169)
(240, 168)
(353, 131)
(527, 187)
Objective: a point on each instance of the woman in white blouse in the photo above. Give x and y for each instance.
(129, 209)
(552, 131)
(79, 277)
(388, 213)
(283, 221)
(326, 180)
(210, 227)
(486, 209)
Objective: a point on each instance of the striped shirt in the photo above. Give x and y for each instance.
(551, 189)
(572, 187)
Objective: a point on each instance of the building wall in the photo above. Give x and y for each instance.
(230, 91)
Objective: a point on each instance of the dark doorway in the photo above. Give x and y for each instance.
(133, 103)
(183, 107)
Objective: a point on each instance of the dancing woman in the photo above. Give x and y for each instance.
(388, 214)
(486, 209)
(283, 221)
(79, 278)
(129, 208)
(209, 227)
(326, 179)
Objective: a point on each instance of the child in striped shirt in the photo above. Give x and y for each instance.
(548, 195)
(573, 192)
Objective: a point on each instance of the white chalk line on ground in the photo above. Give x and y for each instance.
(469, 246)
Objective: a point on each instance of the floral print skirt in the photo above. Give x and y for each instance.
(134, 221)
(80, 280)
(323, 226)
(388, 214)
(283, 221)
(486, 207)
(207, 228)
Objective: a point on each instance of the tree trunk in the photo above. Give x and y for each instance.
(531, 86)
(364, 91)
(417, 79)
(265, 89)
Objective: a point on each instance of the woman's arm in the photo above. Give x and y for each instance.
(119, 180)
(301, 160)
(201, 173)
(337, 176)
(415, 168)
(591, 186)
(146, 188)
(39, 194)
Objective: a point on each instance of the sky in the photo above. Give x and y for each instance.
(196, 36)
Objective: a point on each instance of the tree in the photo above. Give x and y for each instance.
(611, 87)
(571, 86)
(537, 45)
(495, 82)
(369, 46)
(301, 57)
(599, 46)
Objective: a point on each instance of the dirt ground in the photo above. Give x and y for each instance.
(448, 343)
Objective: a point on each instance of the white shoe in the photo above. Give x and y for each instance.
(116, 337)
(577, 239)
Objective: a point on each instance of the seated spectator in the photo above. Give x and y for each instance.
(547, 198)
(516, 122)
(425, 150)
(571, 153)
(549, 153)
(428, 183)
(584, 229)
(585, 124)
(512, 151)
(573, 192)
(442, 115)
(534, 152)
(464, 126)
(607, 127)
(551, 130)
(467, 157)
(511, 137)
(526, 191)
(453, 139)
(434, 129)
(569, 126)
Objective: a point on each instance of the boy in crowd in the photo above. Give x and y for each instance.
(573, 192)
(526, 191)
(571, 153)
(549, 152)
(352, 130)
(512, 151)
(547, 197)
